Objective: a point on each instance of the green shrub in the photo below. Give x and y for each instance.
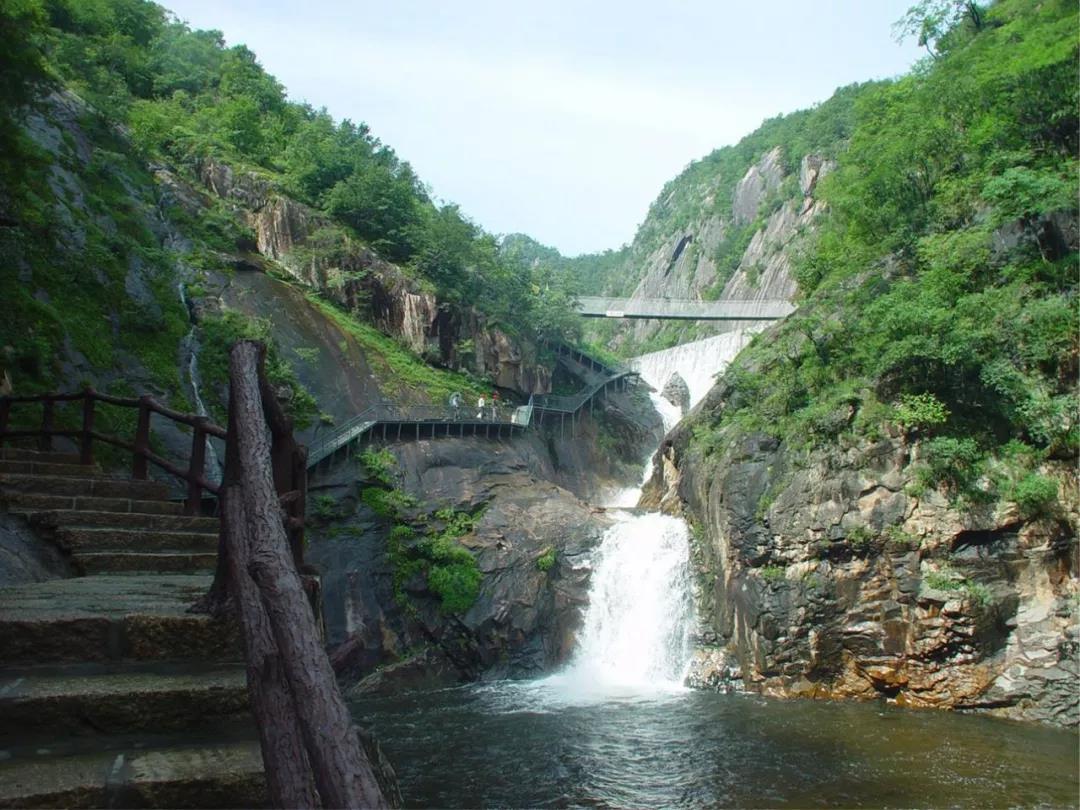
(456, 583)
(920, 411)
(899, 539)
(379, 465)
(945, 579)
(325, 507)
(1034, 495)
(387, 503)
(773, 573)
(956, 463)
(859, 538)
(546, 561)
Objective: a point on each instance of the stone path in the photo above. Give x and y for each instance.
(111, 693)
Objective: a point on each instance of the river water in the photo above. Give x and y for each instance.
(528, 745)
(616, 727)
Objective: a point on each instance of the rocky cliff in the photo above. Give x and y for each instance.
(315, 254)
(835, 574)
(530, 531)
(741, 251)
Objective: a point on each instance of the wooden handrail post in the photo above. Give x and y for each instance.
(196, 468)
(140, 464)
(86, 449)
(5, 416)
(299, 507)
(48, 417)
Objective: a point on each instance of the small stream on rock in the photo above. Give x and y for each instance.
(617, 727)
(190, 352)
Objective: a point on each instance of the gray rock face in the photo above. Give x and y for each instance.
(761, 178)
(677, 392)
(526, 616)
(827, 578)
(764, 270)
(355, 277)
(24, 557)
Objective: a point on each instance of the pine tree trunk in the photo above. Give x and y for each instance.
(343, 775)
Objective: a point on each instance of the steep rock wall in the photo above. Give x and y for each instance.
(297, 238)
(825, 576)
(687, 263)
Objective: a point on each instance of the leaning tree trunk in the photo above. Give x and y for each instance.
(288, 771)
(343, 775)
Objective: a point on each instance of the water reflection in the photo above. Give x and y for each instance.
(517, 745)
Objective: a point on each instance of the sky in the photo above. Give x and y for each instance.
(556, 118)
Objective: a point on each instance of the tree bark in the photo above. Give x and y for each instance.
(285, 761)
(343, 775)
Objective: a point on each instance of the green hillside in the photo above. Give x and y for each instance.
(940, 296)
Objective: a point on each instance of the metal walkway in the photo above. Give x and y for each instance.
(684, 310)
(434, 421)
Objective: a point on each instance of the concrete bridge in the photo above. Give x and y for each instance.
(684, 310)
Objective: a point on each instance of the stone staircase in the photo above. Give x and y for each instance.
(111, 693)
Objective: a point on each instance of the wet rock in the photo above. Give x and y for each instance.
(677, 392)
(24, 557)
(525, 618)
(828, 579)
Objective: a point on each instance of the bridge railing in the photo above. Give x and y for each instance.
(685, 309)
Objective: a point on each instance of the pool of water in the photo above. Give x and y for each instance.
(552, 744)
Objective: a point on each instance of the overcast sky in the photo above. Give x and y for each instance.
(556, 118)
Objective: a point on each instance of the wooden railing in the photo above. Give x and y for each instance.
(288, 457)
(142, 456)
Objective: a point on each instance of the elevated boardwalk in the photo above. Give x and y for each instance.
(433, 421)
(683, 310)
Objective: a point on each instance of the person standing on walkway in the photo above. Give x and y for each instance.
(480, 408)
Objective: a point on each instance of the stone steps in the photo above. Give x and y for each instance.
(26, 467)
(206, 774)
(118, 700)
(112, 617)
(90, 539)
(122, 562)
(49, 456)
(82, 518)
(82, 486)
(111, 693)
(33, 502)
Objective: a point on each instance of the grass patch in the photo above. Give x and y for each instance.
(401, 369)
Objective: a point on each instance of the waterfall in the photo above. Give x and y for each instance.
(697, 363)
(636, 633)
(190, 347)
(635, 637)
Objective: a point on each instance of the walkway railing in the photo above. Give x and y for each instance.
(287, 457)
(142, 455)
(422, 421)
(393, 423)
(684, 310)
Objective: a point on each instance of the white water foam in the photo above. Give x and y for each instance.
(697, 363)
(635, 641)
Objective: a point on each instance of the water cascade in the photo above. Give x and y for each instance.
(189, 348)
(638, 625)
(696, 362)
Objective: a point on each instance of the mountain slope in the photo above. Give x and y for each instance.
(885, 482)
